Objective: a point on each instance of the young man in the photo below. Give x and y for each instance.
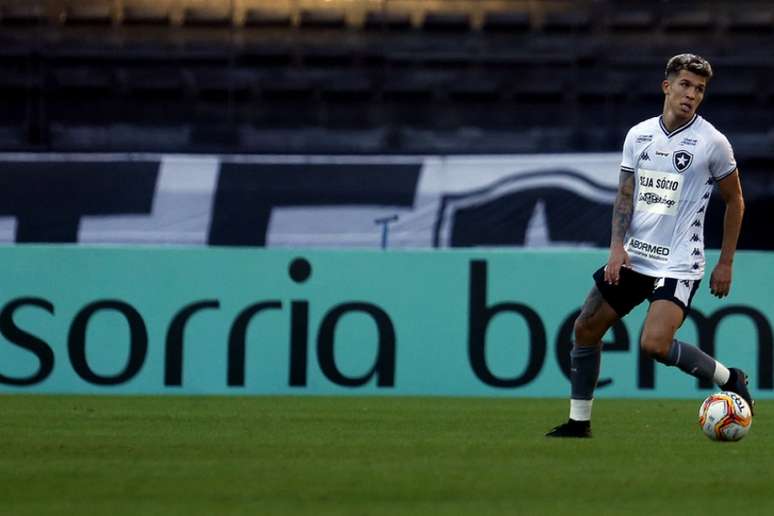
(670, 165)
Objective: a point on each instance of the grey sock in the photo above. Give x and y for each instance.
(584, 371)
(691, 360)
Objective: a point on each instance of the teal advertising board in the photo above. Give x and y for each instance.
(76, 319)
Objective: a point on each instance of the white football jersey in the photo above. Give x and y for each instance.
(674, 173)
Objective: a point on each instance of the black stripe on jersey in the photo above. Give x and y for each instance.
(627, 169)
(726, 174)
(679, 129)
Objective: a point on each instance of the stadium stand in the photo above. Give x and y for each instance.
(440, 21)
(555, 72)
(760, 21)
(506, 22)
(208, 16)
(637, 21)
(387, 20)
(23, 14)
(146, 15)
(701, 23)
(322, 19)
(567, 22)
(264, 18)
(93, 15)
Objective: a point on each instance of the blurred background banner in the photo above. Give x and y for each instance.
(76, 319)
(534, 201)
(309, 201)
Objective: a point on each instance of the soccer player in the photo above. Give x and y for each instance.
(670, 166)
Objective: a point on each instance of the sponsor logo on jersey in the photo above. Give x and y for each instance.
(662, 154)
(643, 138)
(651, 198)
(689, 141)
(660, 183)
(681, 160)
(648, 250)
(658, 192)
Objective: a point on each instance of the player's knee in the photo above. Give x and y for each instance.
(585, 332)
(655, 345)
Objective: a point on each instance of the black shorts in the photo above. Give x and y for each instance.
(633, 288)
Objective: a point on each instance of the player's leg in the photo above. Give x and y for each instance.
(669, 305)
(658, 341)
(605, 304)
(596, 317)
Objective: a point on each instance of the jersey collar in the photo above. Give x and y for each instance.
(679, 129)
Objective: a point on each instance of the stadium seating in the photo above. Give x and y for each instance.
(567, 22)
(207, 17)
(322, 18)
(440, 21)
(637, 21)
(263, 18)
(148, 15)
(758, 21)
(387, 21)
(694, 22)
(508, 22)
(90, 14)
(23, 14)
(574, 74)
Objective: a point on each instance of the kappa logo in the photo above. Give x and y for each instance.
(681, 160)
(644, 156)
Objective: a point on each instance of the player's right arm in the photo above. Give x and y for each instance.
(622, 218)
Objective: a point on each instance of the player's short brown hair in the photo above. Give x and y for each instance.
(690, 62)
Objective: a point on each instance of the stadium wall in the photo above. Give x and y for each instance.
(215, 320)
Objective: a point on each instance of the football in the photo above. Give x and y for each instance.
(725, 416)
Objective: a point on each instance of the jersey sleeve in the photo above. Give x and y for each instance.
(627, 161)
(721, 158)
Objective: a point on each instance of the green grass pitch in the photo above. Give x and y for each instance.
(371, 456)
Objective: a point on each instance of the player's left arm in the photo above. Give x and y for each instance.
(730, 190)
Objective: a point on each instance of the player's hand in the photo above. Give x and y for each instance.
(618, 258)
(720, 281)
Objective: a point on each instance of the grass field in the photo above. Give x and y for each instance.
(371, 456)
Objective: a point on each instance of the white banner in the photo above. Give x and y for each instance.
(309, 201)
